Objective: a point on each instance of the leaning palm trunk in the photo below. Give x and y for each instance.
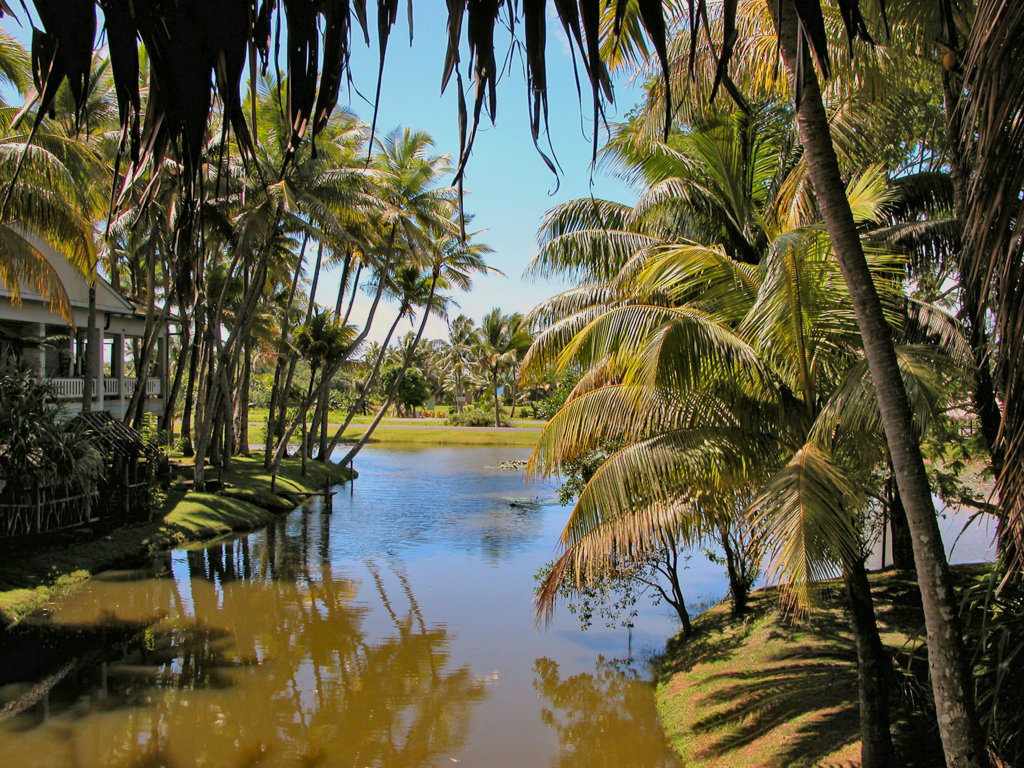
(360, 402)
(902, 543)
(319, 438)
(227, 361)
(352, 296)
(286, 432)
(134, 411)
(305, 411)
(195, 356)
(136, 405)
(286, 390)
(958, 729)
(275, 390)
(154, 321)
(241, 419)
(406, 362)
(167, 418)
(497, 399)
(362, 337)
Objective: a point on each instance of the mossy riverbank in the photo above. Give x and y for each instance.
(765, 690)
(32, 573)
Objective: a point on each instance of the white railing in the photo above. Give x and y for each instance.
(71, 389)
(68, 389)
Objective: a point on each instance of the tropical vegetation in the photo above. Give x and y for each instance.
(824, 262)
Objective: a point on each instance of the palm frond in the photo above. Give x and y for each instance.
(852, 408)
(803, 517)
(617, 413)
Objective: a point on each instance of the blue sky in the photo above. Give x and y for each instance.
(509, 187)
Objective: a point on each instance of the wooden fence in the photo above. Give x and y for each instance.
(48, 510)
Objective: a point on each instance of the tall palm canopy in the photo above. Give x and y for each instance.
(197, 46)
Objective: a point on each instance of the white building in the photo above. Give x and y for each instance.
(31, 331)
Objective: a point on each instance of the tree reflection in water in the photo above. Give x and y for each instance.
(261, 659)
(602, 718)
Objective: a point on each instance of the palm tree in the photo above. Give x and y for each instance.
(322, 342)
(53, 198)
(454, 260)
(418, 222)
(454, 355)
(801, 32)
(961, 736)
(697, 358)
(501, 343)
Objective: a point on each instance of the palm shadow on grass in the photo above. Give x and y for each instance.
(794, 702)
(805, 680)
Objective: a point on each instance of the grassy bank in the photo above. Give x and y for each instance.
(399, 432)
(32, 573)
(435, 416)
(768, 692)
(440, 435)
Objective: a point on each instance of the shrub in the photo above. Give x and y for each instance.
(39, 449)
(474, 417)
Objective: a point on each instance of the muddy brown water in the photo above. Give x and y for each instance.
(396, 630)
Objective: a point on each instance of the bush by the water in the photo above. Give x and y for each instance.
(474, 417)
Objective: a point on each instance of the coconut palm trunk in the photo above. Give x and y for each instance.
(227, 361)
(136, 407)
(352, 296)
(167, 418)
(242, 401)
(325, 410)
(195, 357)
(902, 543)
(406, 362)
(92, 343)
(276, 399)
(360, 403)
(286, 431)
(343, 283)
(497, 399)
(874, 675)
(958, 728)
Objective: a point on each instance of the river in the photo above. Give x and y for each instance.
(396, 630)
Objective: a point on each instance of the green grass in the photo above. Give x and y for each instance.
(440, 435)
(32, 575)
(17, 603)
(424, 434)
(259, 415)
(767, 691)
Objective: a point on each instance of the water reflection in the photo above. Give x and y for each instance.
(452, 498)
(603, 718)
(257, 657)
(395, 630)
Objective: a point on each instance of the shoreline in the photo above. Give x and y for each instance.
(767, 690)
(34, 574)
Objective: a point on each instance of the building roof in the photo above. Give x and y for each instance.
(110, 435)
(109, 302)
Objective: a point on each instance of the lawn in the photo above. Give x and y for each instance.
(770, 691)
